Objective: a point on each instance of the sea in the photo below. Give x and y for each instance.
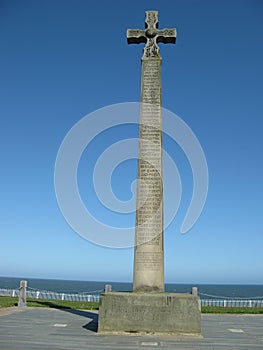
(205, 291)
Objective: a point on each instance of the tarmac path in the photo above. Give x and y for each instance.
(68, 329)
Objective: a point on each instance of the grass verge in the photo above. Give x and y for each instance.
(57, 304)
(231, 310)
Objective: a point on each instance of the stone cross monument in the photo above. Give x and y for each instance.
(148, 252)
(148, 309)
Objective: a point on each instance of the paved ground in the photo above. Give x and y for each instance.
(37, 328)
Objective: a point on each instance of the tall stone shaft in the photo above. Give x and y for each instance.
(149, 250)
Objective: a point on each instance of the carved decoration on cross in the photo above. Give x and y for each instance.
(151, 35)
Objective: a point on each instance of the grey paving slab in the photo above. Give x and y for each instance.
(41, 329)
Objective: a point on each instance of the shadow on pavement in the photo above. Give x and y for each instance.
(91, 326)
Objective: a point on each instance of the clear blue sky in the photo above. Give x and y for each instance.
(61, 60)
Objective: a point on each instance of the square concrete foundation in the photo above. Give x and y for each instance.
(153, 313)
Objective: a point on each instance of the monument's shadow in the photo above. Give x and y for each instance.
(92, 325)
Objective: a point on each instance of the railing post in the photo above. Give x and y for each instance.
(108, 288)
(194, 291)
(22, 294)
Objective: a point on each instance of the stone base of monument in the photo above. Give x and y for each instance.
(150, 313)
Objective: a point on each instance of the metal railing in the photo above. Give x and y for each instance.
(37, 294)
(232, 302)
(224, 301)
